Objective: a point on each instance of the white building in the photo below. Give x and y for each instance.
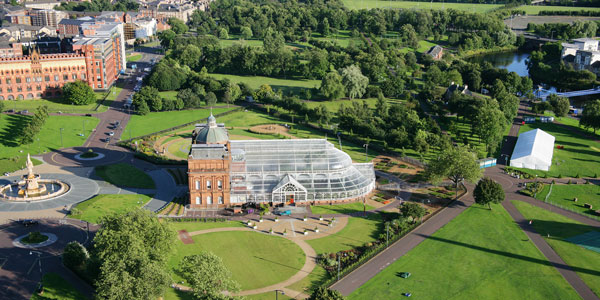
(534, 150)
(145, 28)
(582, 53)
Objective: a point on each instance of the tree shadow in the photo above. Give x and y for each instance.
(14, 128)
(277, 263)
(515, 256)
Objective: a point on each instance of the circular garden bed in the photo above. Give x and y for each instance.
(255, 260)
(34, 237)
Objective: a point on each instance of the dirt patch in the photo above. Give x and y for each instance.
(272, 129)
(393, 165)
(185, 237)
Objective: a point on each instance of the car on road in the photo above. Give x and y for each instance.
(6, 174)
(107, 139)
(11, 111)
(24, 112)
(111, 133)
(29, 222)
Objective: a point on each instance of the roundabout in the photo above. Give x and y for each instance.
(50, 238)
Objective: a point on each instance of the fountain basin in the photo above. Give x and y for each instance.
(48, 188)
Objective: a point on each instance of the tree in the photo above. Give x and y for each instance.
(178, 26)
(489, 124)
(246, 32)
(223, 33)
(208, 277)
(166, 38)
(455, 163)
(190, 56)
(189, 98)
(75, 255)
(560, 105)
(323, 293)
(381, 107)
(324, 27)
(210, 98)
(412, 210)
(488, 191)
(78, 93)
(331, 86)
(354, 81)
(590, 118)
(143, 108)
(133, 262)
(273, 41)
(1, 108)
(150, 96)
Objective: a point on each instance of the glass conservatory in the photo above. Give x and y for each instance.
(296, 170)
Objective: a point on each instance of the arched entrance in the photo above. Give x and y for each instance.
(289, 191)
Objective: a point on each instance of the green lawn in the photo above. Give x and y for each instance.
(579, 156)
(574, 123)
(254, 259)
(481, 254)
(134, 57)
(357, 232)
(267, 296)
(101, 205)
(56, 287)
(585, 262)
(180, 148)
(156, 121)
(562, 195)
(49, 138)
(171, 95)
(296, 86)
(310, 282)
(369, 4)
(424, 46)
(535, 9)
(125, 175)
(197, 226)
(347, 208)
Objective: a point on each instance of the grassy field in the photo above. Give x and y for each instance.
(358, 232)
(48, 139)
(254, 259)
(196, 226)
(296, 86)
(535, 9)
(101, 205)
(585, 262)
(180, 148)
(125, 175)
(156, 121)
(171, 95)
(579, 156)
(339, 208)
(310, 282)
(481, 254)
(134, 57)
(575, 123)
(562, 195)
(369, 4)
(56, 105)
(56, 287)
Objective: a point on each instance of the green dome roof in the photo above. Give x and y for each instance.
(212, 133)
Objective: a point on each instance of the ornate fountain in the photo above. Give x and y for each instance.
(32, 187)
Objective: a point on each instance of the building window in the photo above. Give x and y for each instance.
(18, 80)
(97, 70)
(19, 89)
(46, 78)
(9, 90)
(98, 78)
(29, 88)
(38, 88)
(198, 200)
(55, 77)
(208, 184)
(208, 200)
(8, 81)
(74, 76)
(219, 184)
(65, 77)
(220, 199)
(82, 76)
(197, 184)
(38, 79)
(28, 79)
(97, 64)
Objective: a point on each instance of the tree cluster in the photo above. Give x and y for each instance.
(208, 277)
(100, 5)
(590, 118)
(34, 125)
(78, 93)
(565, 31)
(547, 67)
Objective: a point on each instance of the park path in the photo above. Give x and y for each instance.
(565, 270)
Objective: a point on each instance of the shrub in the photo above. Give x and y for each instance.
(559, 176)
(75, 255)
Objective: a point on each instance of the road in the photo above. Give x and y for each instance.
(116, 112)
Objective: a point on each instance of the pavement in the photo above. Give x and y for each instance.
(21, 270)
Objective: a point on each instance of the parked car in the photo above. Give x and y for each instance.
(24, 112)
(284, 212)
(404, 274)
(111, 133)
(29, 222)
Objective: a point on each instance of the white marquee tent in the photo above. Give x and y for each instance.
(533, 150)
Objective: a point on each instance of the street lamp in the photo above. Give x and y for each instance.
(277, 293)
(39, 254)
(366, 146)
